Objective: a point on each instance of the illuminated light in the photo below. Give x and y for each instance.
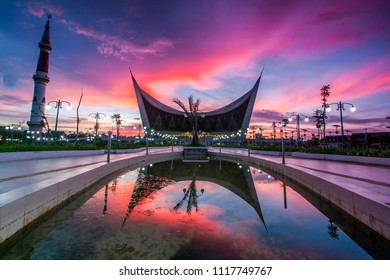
(68, 107)
(48, 107)
(290, 119)
(353, 109)
(328, 109)
(306, 119)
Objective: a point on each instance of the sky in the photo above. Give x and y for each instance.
(213, 50)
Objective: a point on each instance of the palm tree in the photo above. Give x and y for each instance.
(324, 92)
(116, 119)
(192, 114)
(319, 120)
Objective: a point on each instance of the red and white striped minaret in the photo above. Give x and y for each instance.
(41, 79)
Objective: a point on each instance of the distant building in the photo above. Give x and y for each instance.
(371, 139)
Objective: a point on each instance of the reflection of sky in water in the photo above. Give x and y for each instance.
(225, 227)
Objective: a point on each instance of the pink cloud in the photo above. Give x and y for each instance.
(39, 9)
(118, 47)
(371, 78)
(36, 10)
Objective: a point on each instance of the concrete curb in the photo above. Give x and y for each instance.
(16, 156)
(345, 158)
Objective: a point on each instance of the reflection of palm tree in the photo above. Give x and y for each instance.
(145, 186)
(332, 230)
(191, 194)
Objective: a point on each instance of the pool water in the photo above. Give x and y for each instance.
(176, 210)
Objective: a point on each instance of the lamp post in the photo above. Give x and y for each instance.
(96, 116)
(298, 117)
(337, 134)
(12, 128)
(147, 140)
(341, 108)
(58, 106)
(283, 124)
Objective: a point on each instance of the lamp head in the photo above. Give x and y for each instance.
(353, 109)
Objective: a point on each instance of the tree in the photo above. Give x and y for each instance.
(319, 120)
(324, 92)
(78, 118)
(192, 114)
(116, 119)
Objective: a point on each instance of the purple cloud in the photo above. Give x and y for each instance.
(118, 47)
(39, 9)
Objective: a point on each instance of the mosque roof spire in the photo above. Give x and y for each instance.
(45, 41)
(45, 46)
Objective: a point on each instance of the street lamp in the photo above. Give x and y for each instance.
(58, 107)
(340, 107)
(298, 117)
(97, 116)
(13, 127)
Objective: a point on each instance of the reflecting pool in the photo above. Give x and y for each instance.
(176, 210)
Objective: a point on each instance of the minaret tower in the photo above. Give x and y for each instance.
(41, 79)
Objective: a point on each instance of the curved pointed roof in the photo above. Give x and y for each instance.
(230, 118)
(45, 46)
(45, 41)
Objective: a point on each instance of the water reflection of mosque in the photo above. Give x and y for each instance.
(236, 178)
